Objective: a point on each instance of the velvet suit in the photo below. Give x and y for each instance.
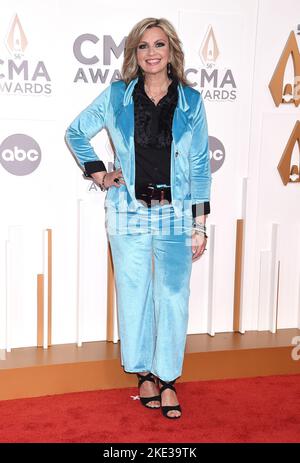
(151, 247)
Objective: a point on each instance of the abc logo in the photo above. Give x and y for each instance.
(217, 153)
(20, 154)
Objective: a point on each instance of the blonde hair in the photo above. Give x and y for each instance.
(130, 68)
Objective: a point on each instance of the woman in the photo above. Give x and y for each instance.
(157, 198)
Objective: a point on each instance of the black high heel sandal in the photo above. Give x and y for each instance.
(167, 408)
(145, 400)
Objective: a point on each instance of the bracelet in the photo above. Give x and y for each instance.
(199, 226)
(101, 185)
(196, 230)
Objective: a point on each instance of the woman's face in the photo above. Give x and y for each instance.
(153, 51)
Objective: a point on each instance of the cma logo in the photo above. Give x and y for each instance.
(286, 89)
(20, 154)
(295, 354)
(289, 165)
(217, 154)
(86, 50)
(16, 39)
(108, 46)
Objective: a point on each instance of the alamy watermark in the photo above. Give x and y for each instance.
(160, 218)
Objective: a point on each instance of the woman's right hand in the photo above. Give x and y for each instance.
(109, 179)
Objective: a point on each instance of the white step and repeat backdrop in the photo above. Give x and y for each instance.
(55, 58)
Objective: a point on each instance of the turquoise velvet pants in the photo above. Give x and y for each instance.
(152, 257)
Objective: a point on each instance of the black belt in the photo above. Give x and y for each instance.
(153, 194)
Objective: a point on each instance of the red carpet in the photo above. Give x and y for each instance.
(263, 409)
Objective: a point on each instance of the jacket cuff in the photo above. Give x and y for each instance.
(93, 166)
(201, 209)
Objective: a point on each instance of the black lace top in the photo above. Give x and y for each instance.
(153, 124)
(153, 135)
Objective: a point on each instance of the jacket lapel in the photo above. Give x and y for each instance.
(180, 119)
(125, 123)
(125, 115)
(180, 123)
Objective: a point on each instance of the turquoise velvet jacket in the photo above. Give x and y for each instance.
(113, 110)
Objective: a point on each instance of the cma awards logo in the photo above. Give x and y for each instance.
(216, 84)
(284, 86)
(87, 48)
(20, 154)
(19, 76)
(289, 165)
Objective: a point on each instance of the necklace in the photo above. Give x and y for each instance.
(152, 97)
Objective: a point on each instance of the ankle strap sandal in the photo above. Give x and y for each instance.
(145, 400)
(167, 408)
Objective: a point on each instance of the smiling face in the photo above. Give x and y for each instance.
(153, 51)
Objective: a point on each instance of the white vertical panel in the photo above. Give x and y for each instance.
(14, 285)
(94, 269)
(8, 290)
(264, 288)
(244, 197)
(198, 301)
(116, 336)
(298, 273)
(25, 250)
(273, 277)
(80, 253)
(3, 290)
(206, 263)
(45, 272)
(210, 304)
(299, 301)
(243, 216)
